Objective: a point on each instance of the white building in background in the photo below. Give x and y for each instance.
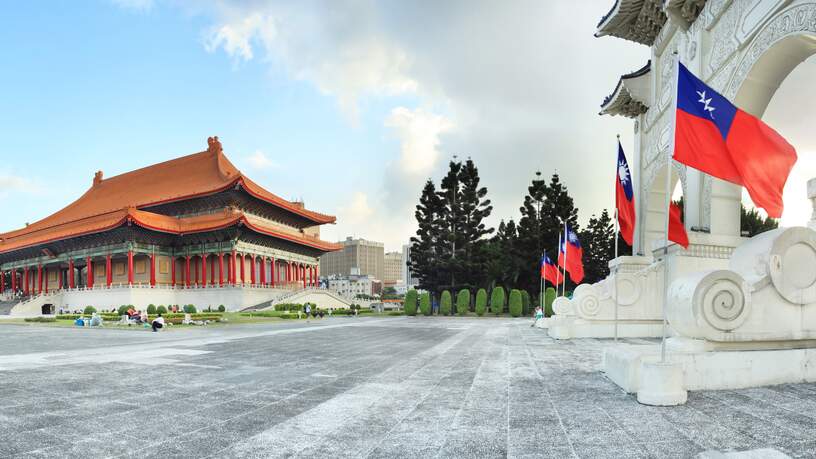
(354, 284)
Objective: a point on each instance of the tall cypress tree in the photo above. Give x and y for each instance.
(424, 262)
(450, 240)
(502, 255)
(474, 207)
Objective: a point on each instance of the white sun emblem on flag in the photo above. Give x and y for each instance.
(706, 107)
(623, 173)
(572, 237)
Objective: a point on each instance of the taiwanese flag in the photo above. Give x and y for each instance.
(549, 271)
(715, 137)
(571, 256)
(624, 198)
(677, 230)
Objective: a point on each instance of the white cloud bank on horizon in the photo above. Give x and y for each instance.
(520, 81)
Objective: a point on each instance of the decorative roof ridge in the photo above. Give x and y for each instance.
(625, 103)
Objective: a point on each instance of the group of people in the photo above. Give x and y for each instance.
(140, 317)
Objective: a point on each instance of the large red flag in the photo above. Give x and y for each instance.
(677, 230)
(549, 271)
(571, 256)
(715, 137)
(624, 198)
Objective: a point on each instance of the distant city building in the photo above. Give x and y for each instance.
(352, 285)
(367, 257)
(394, 263)
(407, 279)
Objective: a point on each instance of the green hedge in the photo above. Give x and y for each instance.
(497, 301)
(411, 303)
(549, 297)
(525, 303)
(151, 309)
(89, 310)
(161, 309)
(445, 304)
(515, 305)
(425, 304)
(40, 319)
(481, 302)
(463, 302)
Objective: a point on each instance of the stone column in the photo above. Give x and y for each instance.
(811, 191)
(130, 267)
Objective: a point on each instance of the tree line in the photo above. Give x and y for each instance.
(454, 249)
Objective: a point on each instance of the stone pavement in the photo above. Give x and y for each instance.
(396, 387)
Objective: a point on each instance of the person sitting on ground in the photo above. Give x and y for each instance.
(158, 323)
(79, 322)
(96, 320)
(537, 315)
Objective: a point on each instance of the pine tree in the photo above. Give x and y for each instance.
(502, 264)
(752, 223)
(598, 242)
(425, 258)
(543, 213)
(474, 208)
(450, 237)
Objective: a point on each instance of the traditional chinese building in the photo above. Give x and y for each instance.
(192, 230)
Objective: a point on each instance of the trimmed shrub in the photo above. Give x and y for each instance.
(123, 309)
(463, 302)
(189, 308)
(411, 303)
(161, 309)
(445, 304)
(40, 319)
(497, 301)
(481, 302)
(425, 304)
(515, 305)
(549, 297)
(151, 309)
(89, 310)
(221, 308)
(525, 303)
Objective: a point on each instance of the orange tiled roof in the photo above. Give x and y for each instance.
(199, 174)
(162, 223)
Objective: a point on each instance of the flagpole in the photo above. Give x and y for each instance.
(668, 211)
(566, 248)
(617, 236)
(557, 268)
(541, 283)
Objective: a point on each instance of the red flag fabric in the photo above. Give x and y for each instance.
(677, 230)
(624, 198)
(549, 272)
(715, 137)
(571, 256)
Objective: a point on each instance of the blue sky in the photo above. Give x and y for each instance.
(348, 105)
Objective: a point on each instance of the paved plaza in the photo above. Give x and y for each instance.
(395, 387)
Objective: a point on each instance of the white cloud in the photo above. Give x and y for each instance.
(14, 183)
(418, 132)
(259, 160)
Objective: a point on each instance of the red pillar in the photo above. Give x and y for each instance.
(252, 278)
(25, 281)
(303, 273)
(204, 269)
(13, 281)
(59, 278)
(152, 269)
(233, 266)
(173, 271)
(263, 272)
(243, 268)
(71, 279)
(39, 279)
(45, 279)
(130, 267)
(187, 271)
(2, 281)
(212, 271)
(90, 274)
(108, 271)
(221, 269)
(272, 272)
